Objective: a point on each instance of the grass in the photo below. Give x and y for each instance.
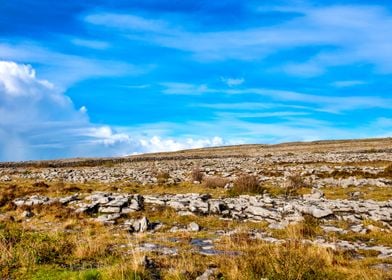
(214, 182)
(58, 244)
(367, 192)
(388, 171)
(197, 175)
(246, 184)
(88, 254)
(72, 247)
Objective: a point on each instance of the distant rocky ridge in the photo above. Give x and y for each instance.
(317, 169)
(379, 145)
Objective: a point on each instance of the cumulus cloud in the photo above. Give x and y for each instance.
(156, 144)
(39, 121)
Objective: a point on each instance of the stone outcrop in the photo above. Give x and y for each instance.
(256, 208)
(316, 169)
(277, 209)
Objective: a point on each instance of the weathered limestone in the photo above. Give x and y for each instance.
(279, 209)
(264, 166)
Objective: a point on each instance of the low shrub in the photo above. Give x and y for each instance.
(293, 184)
(40, 184)
(7, 194)
(388, 171)
(247, 184)
(197, 175)
(162, 177)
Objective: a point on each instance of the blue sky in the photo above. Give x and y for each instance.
(113, 78)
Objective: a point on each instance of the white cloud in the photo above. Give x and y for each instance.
(65, 69)
(348, 83)
(127, 22)
(185, 88)
(231, 82)
(38, 121)
(83, 109)
(92, 44)
(156, 144)
(331, 104)
(349, 33)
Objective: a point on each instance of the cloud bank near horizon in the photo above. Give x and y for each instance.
(39, 121)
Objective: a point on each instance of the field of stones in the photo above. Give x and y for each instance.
(317, 210)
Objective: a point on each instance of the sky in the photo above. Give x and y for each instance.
(116, 78)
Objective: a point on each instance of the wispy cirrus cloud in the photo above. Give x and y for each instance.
(232, 82)
(334, 29)
(348, 83)
(331, 104)
(65, 69)
(185, 88)
(92, 44)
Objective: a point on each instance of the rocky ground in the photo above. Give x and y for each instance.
(201, 214)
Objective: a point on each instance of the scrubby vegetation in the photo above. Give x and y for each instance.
(246, 184)
(293, 184)
(214, 182)
(197, 174)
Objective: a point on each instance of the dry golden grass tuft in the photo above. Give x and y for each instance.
(214, 182)
(246, 184)
(388, 171)
(197, 174)
(293, 185)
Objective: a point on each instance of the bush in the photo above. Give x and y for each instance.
(214, 182)
(197, 175)
(308, 227)
(40, 184)
(388, 171)
(247, 184)
(7, 194)
(293, 184)
(162, 177)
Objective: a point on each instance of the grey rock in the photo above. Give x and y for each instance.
(151, 247)
(207, 275)
(193, 227)
(140, 225)
(144, 224)
(117, 202)
(127, 210)
(315, 194)
(328, 229)
(278, 226)
(217, 206)
(109, 209)
(108, 219)
(27, 214)
(316, 212)
(68, 199)
(359, 229)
